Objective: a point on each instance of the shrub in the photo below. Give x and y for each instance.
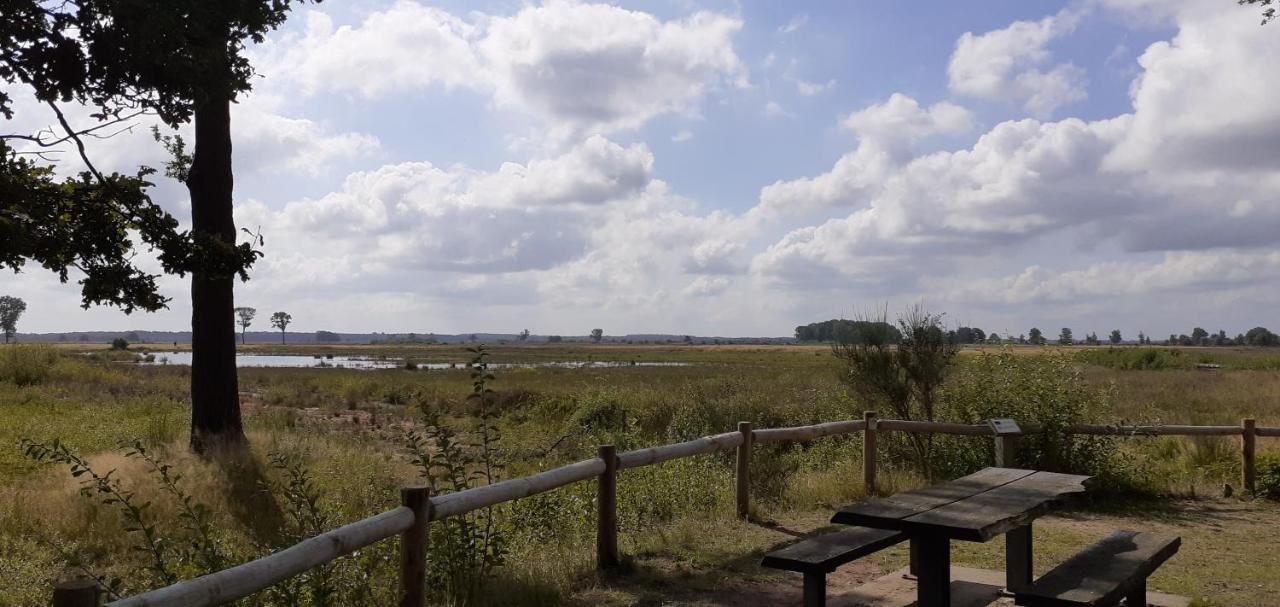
(26, 365)
(1048, 392)
(1134, 359)
(1269, 477)
(119, 343)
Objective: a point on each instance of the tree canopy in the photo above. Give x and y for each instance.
(849, 331)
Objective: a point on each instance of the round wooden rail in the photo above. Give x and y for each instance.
(243, 580)
(808, 433)
(462, 502)
(655, 455)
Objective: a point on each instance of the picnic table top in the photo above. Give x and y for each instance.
(975, 508)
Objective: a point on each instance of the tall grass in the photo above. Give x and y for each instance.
(345, 428)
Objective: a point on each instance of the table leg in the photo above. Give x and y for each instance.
(1017, 558)
(933, 571)
(914, 564)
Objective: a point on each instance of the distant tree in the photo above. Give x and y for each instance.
(119, 343)
(244, 318)
(1143, 339)
(554, 339)
(1199, 336)
(1022, 338)
(1185, 340)
(1220, 338)
(281, 320)
(1035, 337)
(1115, 337)
(328, 337)
(1064, 337)
(843, 330)
(1268, 8)
(688, 339)
(1092, 339)
(993, 339)
(1261, 336)
(11, 309)
(523, 336)
(597, 335)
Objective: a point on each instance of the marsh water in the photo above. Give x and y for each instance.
(372, 363)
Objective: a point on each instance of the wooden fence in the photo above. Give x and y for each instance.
(418, 508)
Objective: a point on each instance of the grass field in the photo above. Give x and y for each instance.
(346, 429)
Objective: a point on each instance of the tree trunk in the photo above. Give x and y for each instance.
(215, 400)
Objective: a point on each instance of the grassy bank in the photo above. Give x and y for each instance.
(345, 430)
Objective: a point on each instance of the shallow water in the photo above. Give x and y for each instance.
(367, 363)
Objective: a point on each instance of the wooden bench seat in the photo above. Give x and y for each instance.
(1101, 575)
(819, 555)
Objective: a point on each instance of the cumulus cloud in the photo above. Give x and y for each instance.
(580, 68)
(1009, 64)
(886, 134)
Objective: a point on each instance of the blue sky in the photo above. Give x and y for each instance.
(739, 168)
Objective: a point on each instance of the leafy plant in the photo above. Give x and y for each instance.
(464, 549)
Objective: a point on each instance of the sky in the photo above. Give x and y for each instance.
(740, 168)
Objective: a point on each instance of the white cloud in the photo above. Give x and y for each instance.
(580, 68)
(795, 24)
(683, 136)
(1006, 64)
(809, 89)
(1191, 271)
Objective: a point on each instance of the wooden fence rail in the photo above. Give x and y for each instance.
(410, 520)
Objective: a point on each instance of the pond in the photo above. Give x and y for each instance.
(369, 363)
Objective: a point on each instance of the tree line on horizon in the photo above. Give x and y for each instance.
(858, 331)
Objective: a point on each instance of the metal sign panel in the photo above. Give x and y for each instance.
(1004, 426)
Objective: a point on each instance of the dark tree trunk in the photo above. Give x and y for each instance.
(215, 400)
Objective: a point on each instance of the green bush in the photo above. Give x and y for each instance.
(26, 365)
(1048, 392)
(119, 343)
(1137, 359)
(1269, 477)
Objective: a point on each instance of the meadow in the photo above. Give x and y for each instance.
(329, 446)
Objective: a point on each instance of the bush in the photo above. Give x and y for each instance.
(119, 343)
(1269, 477)
(1048, 392)
(1134, 359)
(26, 365)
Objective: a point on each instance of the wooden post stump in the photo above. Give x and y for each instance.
(413, 547)
(744, 471)
(607, 510)
(76, 591)
(1248, 443)
(869, 452)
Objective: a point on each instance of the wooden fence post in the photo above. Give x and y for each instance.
(1006, 450)
(744, 470)
(413, 547)
(76, 591)
(607, 510)
(1248, 440)
(869, 453)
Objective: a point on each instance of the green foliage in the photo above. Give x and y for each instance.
(847, 331)
(464, 550)
(1268, 479)
(26, 365)
(904, 378)
(1148, 359)
(119, 343)
(1047, 392)
(11, 309)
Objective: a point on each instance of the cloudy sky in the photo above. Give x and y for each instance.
(738, 168)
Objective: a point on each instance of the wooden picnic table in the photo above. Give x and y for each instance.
(975, 508)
